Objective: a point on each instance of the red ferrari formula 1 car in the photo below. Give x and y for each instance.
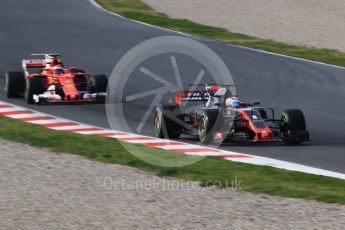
(46, 80)
(220, 117)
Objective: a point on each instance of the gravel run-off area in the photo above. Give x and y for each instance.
(312, 23)
(45, 190)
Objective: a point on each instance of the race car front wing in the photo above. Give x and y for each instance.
(49, 97)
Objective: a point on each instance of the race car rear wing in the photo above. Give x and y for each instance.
(208, 90)
(183, 96)
(40, 63)
(210, 86)
(32, 64)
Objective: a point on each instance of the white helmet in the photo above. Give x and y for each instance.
(233, 102)
(58, 70)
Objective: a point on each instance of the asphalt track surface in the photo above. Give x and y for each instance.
(92, 39)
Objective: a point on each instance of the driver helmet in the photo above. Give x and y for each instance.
(58, 70)
(232, 102)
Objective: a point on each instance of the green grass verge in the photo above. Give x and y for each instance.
(258, 179)
(137, 10)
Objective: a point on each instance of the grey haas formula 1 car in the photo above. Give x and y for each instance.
(220, 117)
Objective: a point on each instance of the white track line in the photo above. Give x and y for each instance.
(288, 166)
(145, 141)
(28, 115)
(152, 141)
(45, 122)
(218, 154)
(5, 110)
(70, 127)
(96, 132)
(185, 146)
(126, 136)
(118, 136)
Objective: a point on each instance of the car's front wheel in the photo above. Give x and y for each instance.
(33, 86)
(98, 83)
(292, 125)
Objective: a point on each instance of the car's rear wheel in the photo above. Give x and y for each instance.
(292, 121)
(165, 127)
(205, 136)
(33, 86)
(98, 83)
(14, 84)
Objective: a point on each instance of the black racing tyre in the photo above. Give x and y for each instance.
(204, 132)
(33, 85)
(98, 83)
(292, 121)
(14, 83)
(165, 127)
